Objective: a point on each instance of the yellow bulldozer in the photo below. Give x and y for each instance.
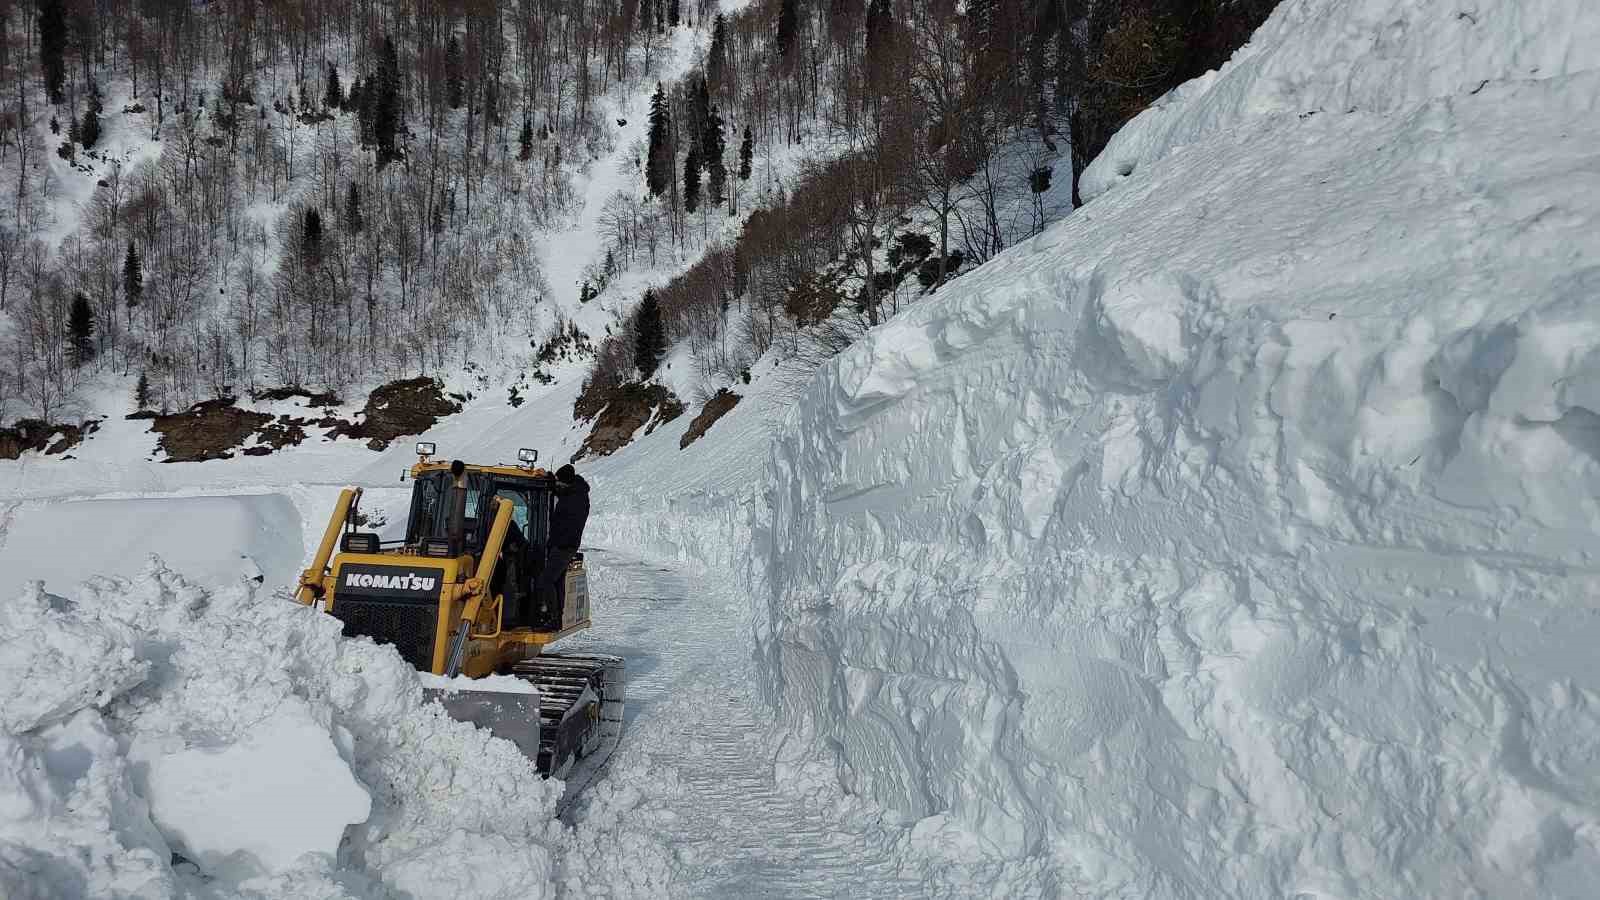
(456, 597)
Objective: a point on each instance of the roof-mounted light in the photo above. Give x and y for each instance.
(426, 449)
(527, 456)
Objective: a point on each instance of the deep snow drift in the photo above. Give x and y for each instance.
(145, 718)
(1238, 535)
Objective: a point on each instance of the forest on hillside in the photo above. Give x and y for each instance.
(933, 133)
(225, 197)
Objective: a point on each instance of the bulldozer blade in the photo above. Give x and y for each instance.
(513, 716)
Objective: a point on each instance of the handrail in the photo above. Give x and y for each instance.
(478, 587)
(311, 588)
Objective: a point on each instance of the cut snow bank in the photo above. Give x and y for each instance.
(214, 540)
(148, 717)
(1238, 535)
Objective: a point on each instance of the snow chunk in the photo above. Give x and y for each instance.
(254, 806)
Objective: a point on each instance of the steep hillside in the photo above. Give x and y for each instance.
(1236, 536)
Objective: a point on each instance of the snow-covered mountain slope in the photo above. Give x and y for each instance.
(1237, 536)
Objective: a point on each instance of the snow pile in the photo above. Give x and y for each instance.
(1237, 536)
(159, 740)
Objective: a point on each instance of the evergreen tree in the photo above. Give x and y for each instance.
(89, 131)
(880, 30)
(141, 393)
(132, 277)
(717, 58)
(386, 104)
(366, 107)
(80, 331)
(647, 14)
(352, 210)
(699, 113)
(352, 97)
(53, 48)
(454, 84)
(658, 173)
(691, 180)
(311, 238)
(334, 97)
(491, 102)
(788, 26)
(716, 188)
(746, 152)
(673, 17)
(649, 336)
(525, 141)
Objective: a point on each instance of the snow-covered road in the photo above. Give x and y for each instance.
(694, 775)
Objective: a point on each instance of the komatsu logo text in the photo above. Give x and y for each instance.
(390, 582)
(396, 583)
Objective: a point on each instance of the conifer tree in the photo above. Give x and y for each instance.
(714, 147)
(311, 238)
(525, 141)
(673, 17)
(746, 153)
(132, 277)
(386, 104)
(454, 84)
(53, 48)
(717, 57)
(80, 331)
(647, 14)
(658, 172)
(141, 393)
(691, 180)
(649, 336)
(333, 98)
(352, 210)
(788, 25)
(89, 131)
(699, 112)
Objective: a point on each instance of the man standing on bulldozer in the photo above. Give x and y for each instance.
(571, 513)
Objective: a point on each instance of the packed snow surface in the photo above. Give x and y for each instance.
(1238, 536)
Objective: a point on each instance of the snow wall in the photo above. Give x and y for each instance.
(1238, 535)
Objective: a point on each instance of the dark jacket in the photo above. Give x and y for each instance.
(570, 514)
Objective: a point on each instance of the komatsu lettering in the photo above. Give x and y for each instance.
(389, 582)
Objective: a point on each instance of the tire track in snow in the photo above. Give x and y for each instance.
(694, 767)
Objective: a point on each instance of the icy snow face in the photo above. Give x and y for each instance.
(143, 717)
(1237, 536)
(1374, 57)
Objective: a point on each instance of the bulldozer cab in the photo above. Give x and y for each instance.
(430, 529)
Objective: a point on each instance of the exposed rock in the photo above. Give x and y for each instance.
(42, 437)
(397, 409)
(327, 398)
(626, 408)
(208, 430)
(714, 409)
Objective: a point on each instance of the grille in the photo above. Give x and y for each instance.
(407, 624)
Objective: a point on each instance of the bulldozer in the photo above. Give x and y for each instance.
(456, 597)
